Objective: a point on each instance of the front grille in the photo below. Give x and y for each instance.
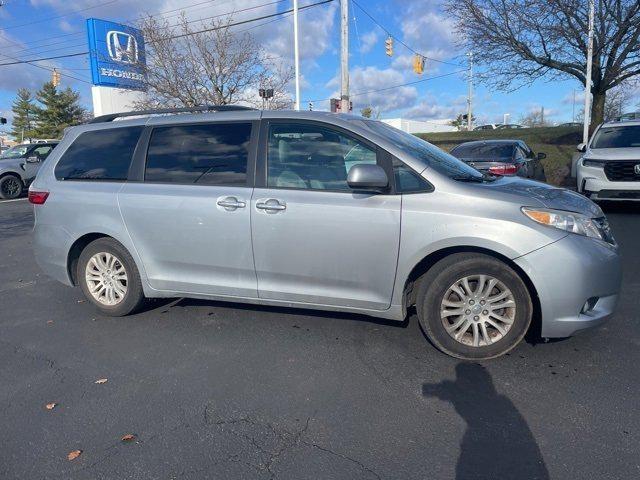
(622, 171)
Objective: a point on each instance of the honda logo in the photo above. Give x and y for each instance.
(636, 169)
(122, 47)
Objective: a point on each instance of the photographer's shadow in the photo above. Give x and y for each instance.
(497, 443)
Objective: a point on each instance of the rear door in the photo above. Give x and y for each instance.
(315, 240)
(188, 214)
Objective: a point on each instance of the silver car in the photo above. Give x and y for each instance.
(19, 166)
(322, 211)
(610, 166)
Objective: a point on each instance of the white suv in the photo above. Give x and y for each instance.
(610, 166)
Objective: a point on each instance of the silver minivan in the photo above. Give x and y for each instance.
(322, 211)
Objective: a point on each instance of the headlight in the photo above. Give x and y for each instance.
(568, 221)
(592, 163)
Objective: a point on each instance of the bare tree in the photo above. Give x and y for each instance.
(520, 41)
(208, 64)
(535, 118)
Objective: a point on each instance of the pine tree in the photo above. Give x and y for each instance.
(24, 111)
(59, 110)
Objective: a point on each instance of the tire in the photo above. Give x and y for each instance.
(126, 291)
(436, 286)
(11, 187)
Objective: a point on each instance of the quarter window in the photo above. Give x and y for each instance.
(99, 155)
(408, 181)
(208, 154)
(313, 157)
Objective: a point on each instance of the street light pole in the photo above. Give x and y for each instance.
(587, 80)
(296, 53)
(344, 56)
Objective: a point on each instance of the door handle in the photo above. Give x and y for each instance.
(231, 203)
(271, 205)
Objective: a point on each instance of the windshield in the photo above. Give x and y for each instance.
(617, 137)
(18, 151)
(474, 150)
(435, 158)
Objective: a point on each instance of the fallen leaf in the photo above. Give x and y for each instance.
(80, 301)
(128, 437)
(50, 322)
(51, 406)
(74, 454)
(101, 380)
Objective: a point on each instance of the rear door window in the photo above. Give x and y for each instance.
(99, 155)
(205, 154)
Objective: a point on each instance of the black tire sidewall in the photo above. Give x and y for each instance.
(442, 276)
(7, 178)
(134, 296)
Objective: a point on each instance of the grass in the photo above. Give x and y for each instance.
(559, 143)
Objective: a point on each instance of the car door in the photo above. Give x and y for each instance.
(315, 240)
(188, 215)
(34, 159)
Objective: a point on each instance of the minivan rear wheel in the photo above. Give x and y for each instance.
(11, 187)
(473, 306)
(109, 278)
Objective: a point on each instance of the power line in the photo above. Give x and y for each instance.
(393, 86)
(399, 40)
(31, 60)
(263, 17)
(70, 12)
(242, 22)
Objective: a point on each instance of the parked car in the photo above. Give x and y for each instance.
(502, 157)
(610, 166)
(321, 211)
(629, 116)
(19, 166)
(510, 126)
(488, 126)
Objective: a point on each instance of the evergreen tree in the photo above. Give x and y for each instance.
(59, 110)
(24, 111)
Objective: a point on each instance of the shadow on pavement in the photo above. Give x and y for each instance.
(497, 443)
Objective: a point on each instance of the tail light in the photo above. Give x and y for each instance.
(504, 169)
(37, 198)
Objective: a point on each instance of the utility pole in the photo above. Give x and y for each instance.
(470, 92)
(542, 116)
(344, 56)
(296, 53)
(587, 80)
(573, 113)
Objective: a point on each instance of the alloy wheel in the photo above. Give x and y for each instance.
(106, 278)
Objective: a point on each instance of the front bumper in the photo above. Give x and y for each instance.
(569, 273)
(593, 182)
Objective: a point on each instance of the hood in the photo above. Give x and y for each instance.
(613, 153)
(537, 194)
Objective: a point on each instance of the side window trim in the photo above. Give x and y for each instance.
(382, 157)
(136, 173)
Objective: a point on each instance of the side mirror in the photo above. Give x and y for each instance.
(367, 177)
(33, 159)
(582, 147)
(542, 156)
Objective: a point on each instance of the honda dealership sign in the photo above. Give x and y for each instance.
(117, 55)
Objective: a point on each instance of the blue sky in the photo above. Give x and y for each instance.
(41, 28)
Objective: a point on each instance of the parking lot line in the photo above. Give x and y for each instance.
(14, 200)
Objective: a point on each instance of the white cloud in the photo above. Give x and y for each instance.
(368, 87)
(369, 40)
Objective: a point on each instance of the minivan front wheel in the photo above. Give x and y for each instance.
(473, 306)
(109, 278)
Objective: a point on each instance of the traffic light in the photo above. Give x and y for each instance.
(388, 46)
(418, 64)
(3, 120)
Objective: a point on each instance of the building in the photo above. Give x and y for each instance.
(421, 126)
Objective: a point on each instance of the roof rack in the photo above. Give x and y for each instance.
(204, 108)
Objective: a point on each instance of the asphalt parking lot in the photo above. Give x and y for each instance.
(213, 390)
